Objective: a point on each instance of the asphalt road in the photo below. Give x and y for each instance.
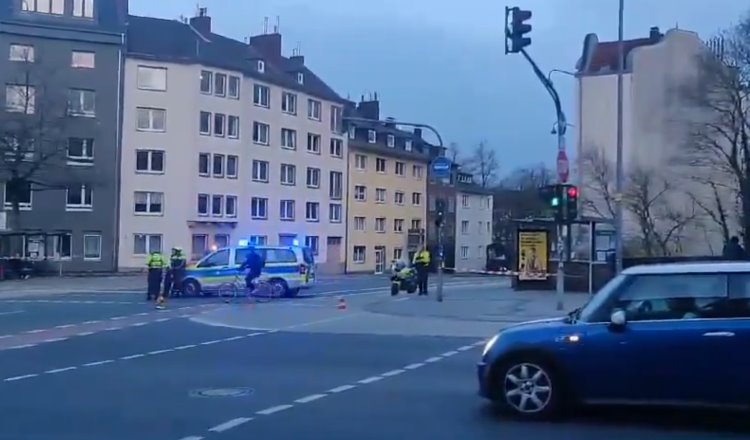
(85, 366)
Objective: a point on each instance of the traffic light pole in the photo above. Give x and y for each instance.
(440, 264)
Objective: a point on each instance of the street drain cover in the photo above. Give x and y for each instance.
(221, 392)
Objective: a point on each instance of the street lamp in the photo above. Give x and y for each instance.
(619, 165)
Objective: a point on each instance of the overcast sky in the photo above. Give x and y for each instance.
(442, 62)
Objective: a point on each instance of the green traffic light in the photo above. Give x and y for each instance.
(555, 201)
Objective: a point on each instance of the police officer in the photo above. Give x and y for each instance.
(422, 264)
(155, 264)
(176, 272)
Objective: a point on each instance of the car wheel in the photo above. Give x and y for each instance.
(279, 288)
(529, 389)
(191, 288)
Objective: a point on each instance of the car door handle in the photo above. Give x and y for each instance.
(719, 334)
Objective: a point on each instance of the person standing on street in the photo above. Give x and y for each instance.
(155, 264)
(176, 272)
(422, 263)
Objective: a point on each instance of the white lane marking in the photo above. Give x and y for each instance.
(94, 364)
(18, 347)
(60, 370)
(414, 366)
(5, 336)
(449, 353)
(310, 398)
(230, 424)
(185, 347)
(15, 378)
(155, 352)
(85, 334)
(55, 340)
(465, 348)
(406, 298)
(192, 437)
(234, 338)
(393, 373)
(162, 319)
(215, 341)
(370, 379)
(115, 318)
(274, 409)
(433, 359)
(95, 321)
(11, 313)
(139, 324)
(143, 314)
(111, 329)
(133, 356)
(187, 315)
(39, 330)
(66, 326)
(341, 389)
(480, 343)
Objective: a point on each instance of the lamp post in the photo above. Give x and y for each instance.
(619, 161)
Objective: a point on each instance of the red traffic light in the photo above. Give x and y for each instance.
(572, 191)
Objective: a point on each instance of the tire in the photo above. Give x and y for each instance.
(394, 289)
(191, 288)
(528, 387)
(227, 291)
(412, 288)
(279, 288)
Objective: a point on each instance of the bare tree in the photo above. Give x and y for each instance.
(714, 206)
(598, 189)
(530, 178)
(484, 164)
(716, 105)
(454, 153)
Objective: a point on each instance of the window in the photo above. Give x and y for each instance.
(22, 196)
(464, 252)
(359, 254)
(286, 210)
(92, 247)
(20, 98)
(398, 254)
(407, 146)
(313, 242)
(221, 240)
(15, 152)
(464, 226)
(312, 211)
(234, 87)
(261, 133)
(337, 147)
(337, 117)
(82, 8)
(79, 198)
(259, 240)
(202, 204)
(352, 132)
(313, 143)
(313, 109)
(217, 165)
(359, 223)
(206, 82)
(219, 121)
(151, 119)
(300, 78)
(230, 207)
(56, 7)
(416, 171)
(398, 198)
(61, 245)
(360, 161)
(149, 161)
(220, 84)
(232, 166)
(416, 199)
(391, 141)
(204, 124)
(416, 223)
(144, 244)
(372, 136)
(380, 224)
(259, 208)
(288, 139)
(151, 78)
(21, 52)
(149, 202)
(360, 193)
(260, 171)
(380, 195)
(288, 174)
(465, 200)
(203, 159)
(336, 185)
(289, 103)
(261, 66)
(313, 177)
(233, 127)
(81, 102)
(398, 225)
(400, 169)
(81, 151)
(334, 212)
(262, 96)
(217, 205)
(217, 259)
(199, 246)
(380, 165)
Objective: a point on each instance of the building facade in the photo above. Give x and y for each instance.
(226, 142)
(474, 225)
(387, 192)
(61, 74)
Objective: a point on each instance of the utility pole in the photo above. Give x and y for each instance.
(619, 177)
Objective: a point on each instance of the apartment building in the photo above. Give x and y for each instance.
(474, 208)
(61, 74)
(226, 142)
(387, 192)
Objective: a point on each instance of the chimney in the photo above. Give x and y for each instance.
(369, 109)
(297, 61)
(654, 35)
(269, 45)
(418, 133)
(202, 22)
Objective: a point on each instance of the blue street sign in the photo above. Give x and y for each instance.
(441, 167)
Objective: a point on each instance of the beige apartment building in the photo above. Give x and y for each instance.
(387, 194)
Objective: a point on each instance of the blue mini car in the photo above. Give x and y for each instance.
(670, 334)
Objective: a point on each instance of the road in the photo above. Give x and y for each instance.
(93, 366)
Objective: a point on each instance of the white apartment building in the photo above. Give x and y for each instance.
(655, 68)
(474, 227)
(226, 143)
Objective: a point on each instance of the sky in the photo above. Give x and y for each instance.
(442, 62)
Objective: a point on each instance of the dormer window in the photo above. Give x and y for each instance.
(372, 136)
(407, 146)
(301, 78)
(261, 66)
(352, 132)
(391, 141)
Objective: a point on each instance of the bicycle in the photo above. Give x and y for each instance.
(262, 290)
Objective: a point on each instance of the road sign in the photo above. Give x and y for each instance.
(441, 167)
(563, 166)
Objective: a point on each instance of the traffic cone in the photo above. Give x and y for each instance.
(342, 304)
(160, 303)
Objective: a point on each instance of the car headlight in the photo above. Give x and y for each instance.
(489, 344)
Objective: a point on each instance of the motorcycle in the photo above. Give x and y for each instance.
(405, 279)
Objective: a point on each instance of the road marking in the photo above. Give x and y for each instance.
(54, 340)
(274, 409)
(393, 373)
(230, 424)
(449, 353)
(11, 313)
(5, 336)
(111, 329)
(465, 348)
(406, 298)
(193, 437)
(115, 318)
(370, 379)
(215, 341)
(185, 347)
(341, 389)
(18, 347)
(414, 366)
(310, 398)
(95, 321)
(143, 314)
(234, 338)
(39, 330)
(162, 319)
(15, 378)
(433, 359)
(133, 356)
(94, 364)
(60, 370)
(85, 334)
(138, 324)
(155, 352)
(66, 326)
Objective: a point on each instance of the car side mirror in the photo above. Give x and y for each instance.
(618, 318)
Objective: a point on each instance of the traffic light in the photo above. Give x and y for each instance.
(439, 212)
(571, 204)
(516, 29)
(562, 199)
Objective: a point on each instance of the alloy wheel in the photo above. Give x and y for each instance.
(527, 388)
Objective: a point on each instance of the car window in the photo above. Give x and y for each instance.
(280, 256)
(240, 255)
(219, 258)
(738, 305)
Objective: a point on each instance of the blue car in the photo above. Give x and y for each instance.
(670, 334)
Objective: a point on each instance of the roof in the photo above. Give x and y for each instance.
(689, 268)
(176, 42)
